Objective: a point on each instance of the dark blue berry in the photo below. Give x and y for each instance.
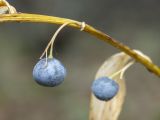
(50, 73)
(104, 88)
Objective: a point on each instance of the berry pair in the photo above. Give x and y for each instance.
(52, 73)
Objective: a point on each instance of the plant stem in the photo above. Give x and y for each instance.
(50, 44)
(23, 17)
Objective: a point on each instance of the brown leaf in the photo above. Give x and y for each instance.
(110, 110)
(3, 9)
(2, 3)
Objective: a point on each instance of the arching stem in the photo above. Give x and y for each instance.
(22, 17)
(121, 71)
(50, 44)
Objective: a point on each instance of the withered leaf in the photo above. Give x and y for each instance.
(3, 9)
(110, 110)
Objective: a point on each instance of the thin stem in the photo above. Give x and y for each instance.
(22, 17)
(52, 41)
(125, 68)
(121, 71)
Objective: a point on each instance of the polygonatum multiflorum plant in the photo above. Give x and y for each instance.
(108, 88)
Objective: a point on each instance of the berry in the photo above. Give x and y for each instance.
(104, 88)
(50, 73)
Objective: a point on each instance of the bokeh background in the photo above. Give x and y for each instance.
(133, 22)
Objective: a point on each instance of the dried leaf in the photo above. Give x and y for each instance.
(143, 55)
(110, 110)
(2, 3)
(3, 9)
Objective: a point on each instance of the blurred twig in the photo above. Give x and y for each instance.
(23, 17)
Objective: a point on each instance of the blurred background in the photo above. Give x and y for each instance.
(133, 22)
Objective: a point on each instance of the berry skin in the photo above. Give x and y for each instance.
(104, 88)
(49, 74)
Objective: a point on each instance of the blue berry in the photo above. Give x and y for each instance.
(49, 74)
(104, 88)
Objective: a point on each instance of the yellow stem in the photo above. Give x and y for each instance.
(23, 17)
